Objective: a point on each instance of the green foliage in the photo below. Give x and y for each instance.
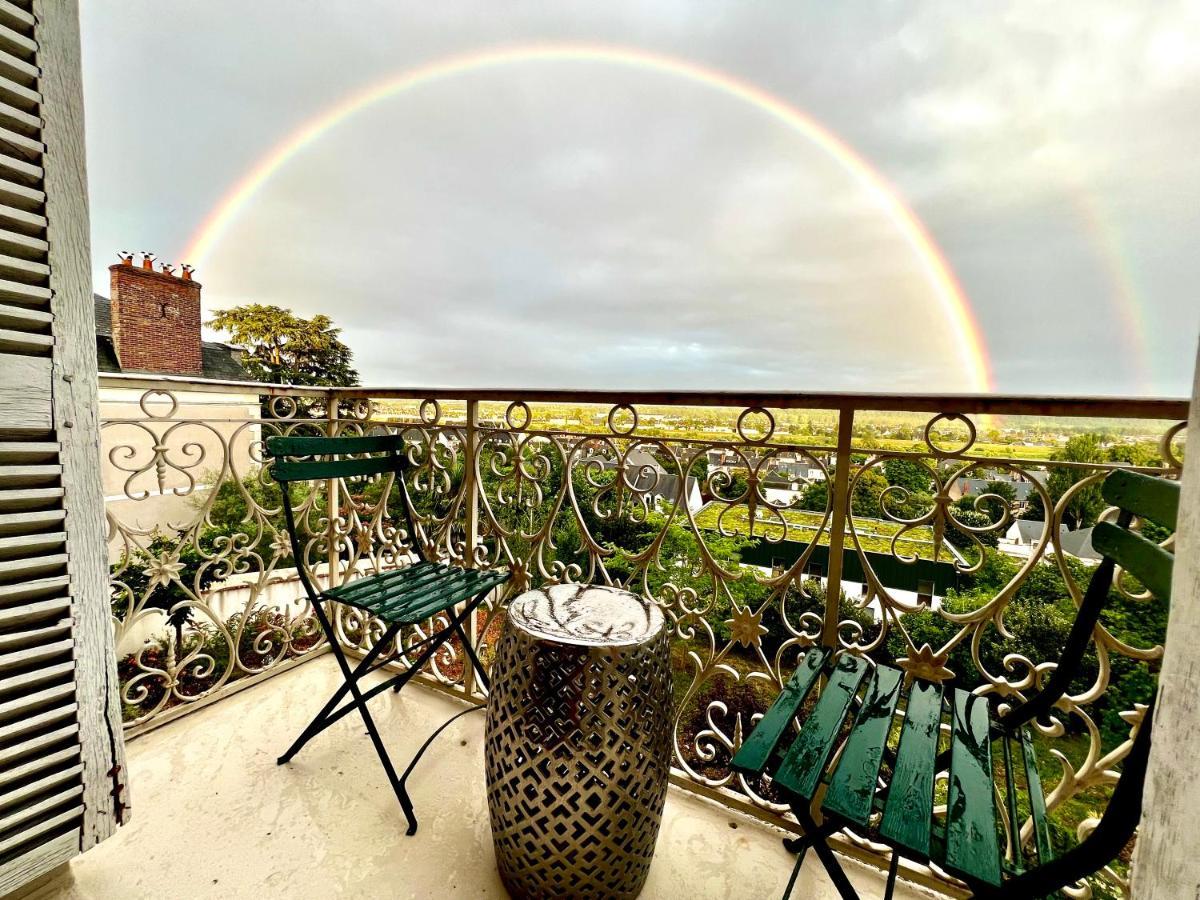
(907, 474)
(974, 519)
(864, 500)
(1087, 504)
(1002, 489)
(815, 496)
(283, 348)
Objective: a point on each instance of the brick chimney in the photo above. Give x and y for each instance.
(155, 317)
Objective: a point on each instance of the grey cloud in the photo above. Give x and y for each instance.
(588, 225)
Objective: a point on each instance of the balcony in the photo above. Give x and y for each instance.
(762, 524)
(217, 818)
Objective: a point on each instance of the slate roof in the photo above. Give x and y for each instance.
(1079, 544)
(976, 486)
(220, 362)
(1027, 530)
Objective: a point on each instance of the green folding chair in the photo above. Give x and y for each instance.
(899, 814)
(419, 592)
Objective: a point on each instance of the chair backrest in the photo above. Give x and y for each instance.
(1150, 499)
(357, 457)
(355, 452)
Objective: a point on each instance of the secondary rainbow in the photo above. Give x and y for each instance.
(971, 348)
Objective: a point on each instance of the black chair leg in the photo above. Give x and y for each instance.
(321, 721)
(475, 663)
(834, 868)
(795, 871)
(893, 870)
(397, 785)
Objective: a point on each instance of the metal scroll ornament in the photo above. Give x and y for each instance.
(578, 745)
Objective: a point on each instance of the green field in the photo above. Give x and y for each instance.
(874, 535)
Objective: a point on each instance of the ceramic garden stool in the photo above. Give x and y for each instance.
(578, 744)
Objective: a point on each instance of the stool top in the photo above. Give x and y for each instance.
(586, 615)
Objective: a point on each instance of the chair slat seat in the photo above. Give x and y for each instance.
(972, 843)
(413, 594)
(1037, 800)
(908, 811)
(804, 764)
(851, 792)
(894, 804)
(755, 753)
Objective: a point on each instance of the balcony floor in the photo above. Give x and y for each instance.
(213, 816)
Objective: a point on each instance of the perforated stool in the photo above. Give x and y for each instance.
(578, 744)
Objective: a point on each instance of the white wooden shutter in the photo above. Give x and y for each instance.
(61, 754)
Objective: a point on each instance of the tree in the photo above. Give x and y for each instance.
(283, 348)
(907, 474)
(1087, 504)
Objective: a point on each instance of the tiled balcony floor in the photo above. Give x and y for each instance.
(214, 817)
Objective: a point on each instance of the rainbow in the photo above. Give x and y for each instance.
(1126, 297)
(953, 302)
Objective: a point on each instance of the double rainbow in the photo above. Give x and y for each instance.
(971, 350)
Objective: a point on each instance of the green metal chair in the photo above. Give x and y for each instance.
(900, 814)
(419, 592)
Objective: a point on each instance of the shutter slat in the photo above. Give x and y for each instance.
(42, 638)
(28, 451)
(38, 677)
(37, 700)
(29, 591)
(22, 268)
(24, 523)
(31, 723)
(10, 798)
(16, 68)
(24, 319)
(18, 168)
(18, 244)
(16, 17)
(13, 774)
(29, 544)
(41, 828)
(15, 41)
(31, 566)
(27, 748)
(26, 656)
(28, 476)
(22, 219)
(27, 614)
(24, 342)
(28, 498)
(22, 197)
(38, 808)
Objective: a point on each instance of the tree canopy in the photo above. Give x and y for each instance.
(283, 348)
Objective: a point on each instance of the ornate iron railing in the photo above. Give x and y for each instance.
(761, 523)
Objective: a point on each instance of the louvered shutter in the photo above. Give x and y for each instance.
(61, 757)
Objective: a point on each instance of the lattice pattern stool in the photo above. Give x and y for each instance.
(578, 744)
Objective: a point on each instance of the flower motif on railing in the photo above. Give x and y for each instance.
(163, 568)
(745, 628)
(925, 664)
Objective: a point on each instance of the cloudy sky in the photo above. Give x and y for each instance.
(581, 222)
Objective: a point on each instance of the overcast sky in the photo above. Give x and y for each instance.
(583, 224)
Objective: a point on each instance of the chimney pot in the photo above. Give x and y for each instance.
(147, 261)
